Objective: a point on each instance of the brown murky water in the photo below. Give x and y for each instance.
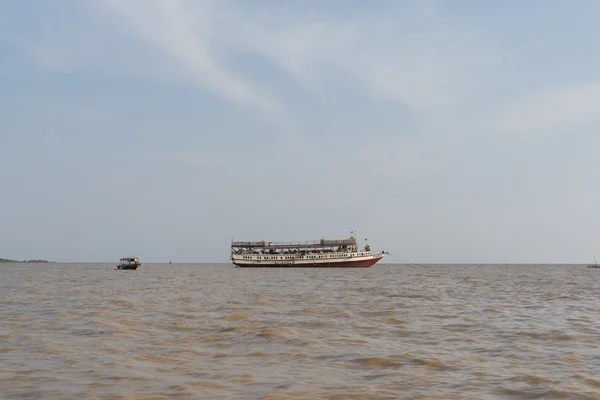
(217, 332)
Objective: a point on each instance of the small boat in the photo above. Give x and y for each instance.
(594, 265)
(130, 263)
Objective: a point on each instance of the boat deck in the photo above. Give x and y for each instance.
(295, 245)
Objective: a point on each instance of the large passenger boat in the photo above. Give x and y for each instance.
(318, 254)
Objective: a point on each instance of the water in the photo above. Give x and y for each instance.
(217, 332)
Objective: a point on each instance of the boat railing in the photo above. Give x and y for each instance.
(302, 254)
(322, 242)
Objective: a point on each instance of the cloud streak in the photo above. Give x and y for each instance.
(182, 32)
(548, 112)
(408, 55)
(417, 66)
(389, 57)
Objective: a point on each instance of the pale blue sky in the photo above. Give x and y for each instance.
(444, 131)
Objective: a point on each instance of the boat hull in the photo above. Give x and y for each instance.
(128, 267)
(361, 263)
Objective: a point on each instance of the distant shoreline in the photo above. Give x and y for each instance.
(6, 260)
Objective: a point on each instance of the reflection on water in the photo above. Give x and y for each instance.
(218, 332)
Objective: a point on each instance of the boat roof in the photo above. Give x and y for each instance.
(323, 243)
(129, 259)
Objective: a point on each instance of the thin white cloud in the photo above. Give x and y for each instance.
(383, 52)
(183, 32)
(417, 67)
(406, 55)
(548, 112)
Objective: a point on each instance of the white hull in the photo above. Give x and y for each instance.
(318, 260)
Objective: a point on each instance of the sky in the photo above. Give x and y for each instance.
(454, 131)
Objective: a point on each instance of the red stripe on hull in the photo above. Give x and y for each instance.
(341, 264)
